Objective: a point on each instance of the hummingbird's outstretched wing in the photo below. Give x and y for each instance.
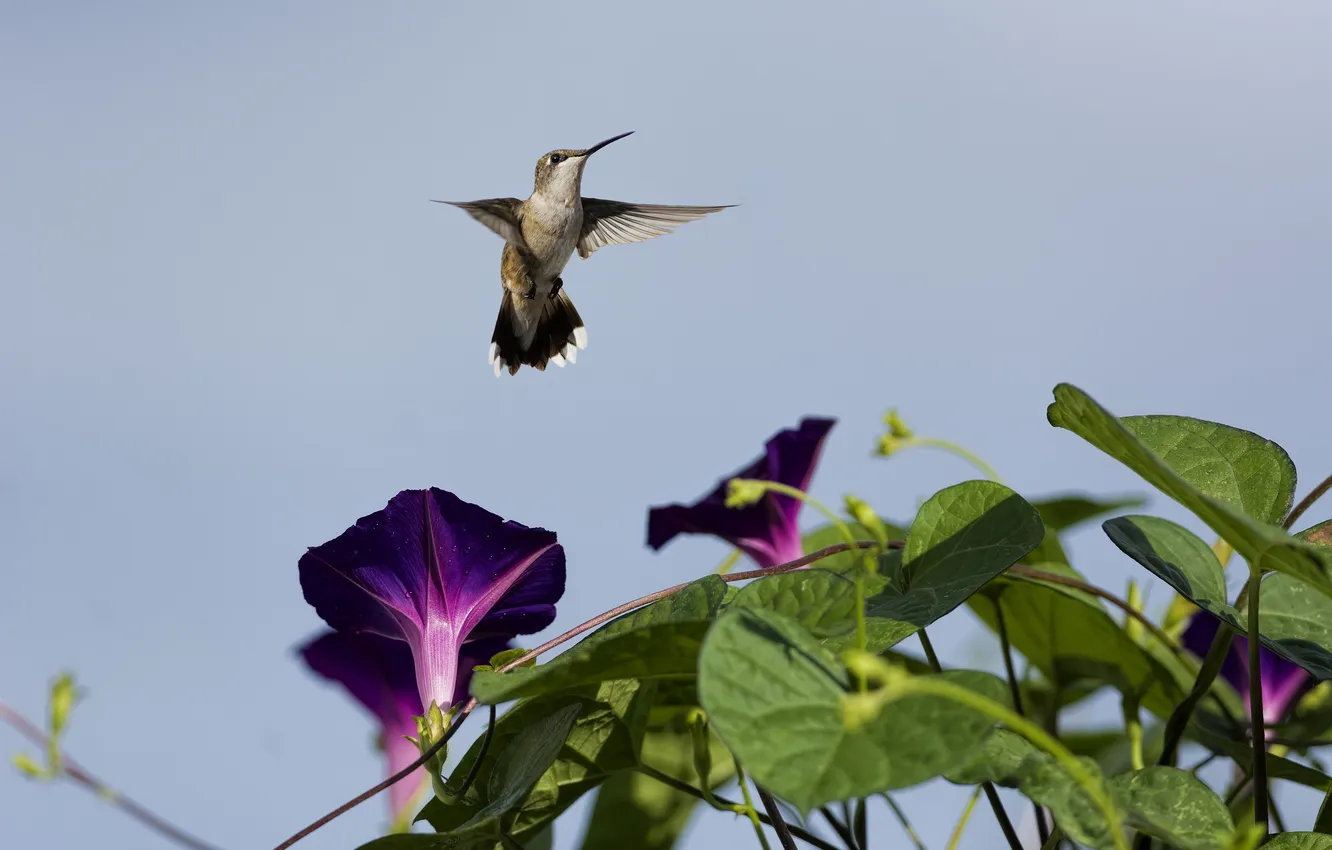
(617, 223)
(499, 214)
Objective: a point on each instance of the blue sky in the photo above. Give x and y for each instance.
(233, 323)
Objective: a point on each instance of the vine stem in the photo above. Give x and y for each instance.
(1256, 704)
(600, 619)
(750, 813)
(775, 815)
(1068, 581)
(953, 448)
(897, 684)
(74, 771)
(1015, 691)
(906, 824)
(686, 788)
(862, 628)
(1179, 718)
(962, 821)
(1307, 502)
(991, 795)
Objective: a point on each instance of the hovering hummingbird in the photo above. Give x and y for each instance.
(537, 322)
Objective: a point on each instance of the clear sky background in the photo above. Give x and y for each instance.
(232, 322)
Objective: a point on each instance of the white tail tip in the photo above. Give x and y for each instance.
(580, 338)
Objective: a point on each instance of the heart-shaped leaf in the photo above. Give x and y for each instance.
(1236, 482)
(780, 702)
(1295, 621)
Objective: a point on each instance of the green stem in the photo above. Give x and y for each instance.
(898, 683)
(860, 823)
(685, 788)
(862, 631)
(1179, 718)
(1256, 703)
(751, 812)
(930, 656)
(962, 822)
(1133, 728)
(480, 757)
(726, 565)
(1053, 841)
(953, 448)
(906, 824)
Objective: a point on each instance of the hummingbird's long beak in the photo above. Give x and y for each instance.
(599, 145)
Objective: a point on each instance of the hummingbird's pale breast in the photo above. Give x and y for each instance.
(551, 230)
(537, 323)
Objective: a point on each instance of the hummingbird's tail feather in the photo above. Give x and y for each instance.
(531, 334)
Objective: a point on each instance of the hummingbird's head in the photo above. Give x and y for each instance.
(560, 173)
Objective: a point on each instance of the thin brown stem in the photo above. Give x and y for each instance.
(1307, 502)
(74, 771)
(600, 619)
(1068, 581)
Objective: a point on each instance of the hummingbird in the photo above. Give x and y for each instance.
(537, 322)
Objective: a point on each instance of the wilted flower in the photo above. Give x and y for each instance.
(378, 673)
(436, 572)
(765, 530)
(1283, 682)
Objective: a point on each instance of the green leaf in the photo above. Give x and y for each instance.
(996, 760)
(1240, 752)
(695, 602)
(520, 768)
(604, 740)
(1294, 620)
(1063, 512)
(634, 810)
(1069, 637)
(1165, 802)
(1299, 841)
(523, 762)
(660, 640)
(1236, 482)
(1323, 821)
(962, 537)
(1174, 806)
(824, 602)
(780, 702)
(29, 768)
(666, 650)
(829, 535)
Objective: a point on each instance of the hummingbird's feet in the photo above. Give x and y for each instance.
(556, 287)
(530, 293)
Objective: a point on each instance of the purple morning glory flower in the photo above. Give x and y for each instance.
(436, 572)
(765, 531)
(379, 674)
(1283, 682)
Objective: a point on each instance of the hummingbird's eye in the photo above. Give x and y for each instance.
(556, 158)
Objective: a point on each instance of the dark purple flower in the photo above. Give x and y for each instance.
(765, 531)
(1283, 682)
(436, 572)
(378, 673)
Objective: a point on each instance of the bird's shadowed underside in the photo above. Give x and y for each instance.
(534, 332)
